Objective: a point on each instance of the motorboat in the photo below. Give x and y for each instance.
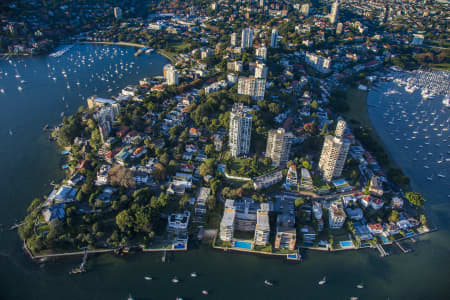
(147, 278)
(205, 292)
(268, 282)
(175, 280)
(194, 275)
(323, 281)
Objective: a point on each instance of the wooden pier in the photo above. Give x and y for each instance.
(402, 248)
(381, 250)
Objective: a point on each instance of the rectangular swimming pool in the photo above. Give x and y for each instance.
(179, 246)
(242, 245)
(346, 244)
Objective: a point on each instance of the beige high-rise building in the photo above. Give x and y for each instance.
(334, 12)
(240, 130)
(340, 128)
(170, 74)
(261, 70)
(305, 9)
(339, 28)
(279, 146)
(118, 13)
(261, 53)
(234, 39)
(334, 154)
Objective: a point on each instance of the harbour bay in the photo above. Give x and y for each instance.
(29, 163)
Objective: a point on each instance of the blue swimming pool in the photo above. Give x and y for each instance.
(384, 239)
(346, 244)
(242, 245)
(179, 246)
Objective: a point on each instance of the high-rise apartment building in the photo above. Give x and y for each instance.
(170, 74)
(261, 53)
(334, 12)
(261, 70)
(247, 38)
(339, 28)
(253, 87)
(274, 38)
(340, 128)
(334, 154)
(278, 146)
(227, 223)
(234, 39)
(240, 130)
(262, 230)
(305, 9)
(117, 13)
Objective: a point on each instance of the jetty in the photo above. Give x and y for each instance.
(82, 267)
(381, 250)
(405, 251)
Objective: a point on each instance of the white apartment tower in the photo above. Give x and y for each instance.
(274, 38)
(334, 12)
(170, 74)
(261, 53)
(247, 38)
(334, 154)
(240, 130)
(227, 223)
(262, 230)
(339, 28)
(117, 13)
(234, 39)
(340, 128)
(253, 87)
(278, 146)
(261, 70)
(305, 9)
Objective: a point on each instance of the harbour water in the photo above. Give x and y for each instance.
(29, 162)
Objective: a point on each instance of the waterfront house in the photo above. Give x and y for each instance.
(178, 222)
(362, 232)
(286, 235)
(308, 233)
(64, 194)
(375, 228)
(75, 179)
(391, 228)
(403, 224)
(54, 212)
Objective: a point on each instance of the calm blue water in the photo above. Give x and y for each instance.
(28, 162)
